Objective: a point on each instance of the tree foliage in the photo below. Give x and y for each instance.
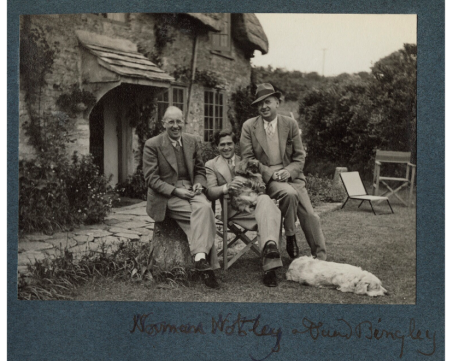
(351, 117)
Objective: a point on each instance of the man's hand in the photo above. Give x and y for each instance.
(183, 193)
(197, 188)
(235, 184)
(281, 176)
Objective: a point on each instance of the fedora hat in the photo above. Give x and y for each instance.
(265, 90)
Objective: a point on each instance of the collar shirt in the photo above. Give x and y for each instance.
(174, 142)
(273, 122)
(231, 162)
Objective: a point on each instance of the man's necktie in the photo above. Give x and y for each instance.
(231, 166)
(269, 129)
(177, 146)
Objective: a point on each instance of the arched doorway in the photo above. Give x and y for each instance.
(112, 141)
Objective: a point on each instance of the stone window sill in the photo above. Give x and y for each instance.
(226, 56)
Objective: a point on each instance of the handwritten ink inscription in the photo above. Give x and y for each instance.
(423, 341)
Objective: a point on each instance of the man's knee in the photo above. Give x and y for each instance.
(309, 215)
(289, 193)
(267, 203)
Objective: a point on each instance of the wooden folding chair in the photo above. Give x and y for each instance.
(239, 234)
(386, 156)
(355, 190)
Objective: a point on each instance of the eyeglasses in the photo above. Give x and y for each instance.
(173, 122)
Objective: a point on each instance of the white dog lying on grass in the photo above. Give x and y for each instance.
(344, 277)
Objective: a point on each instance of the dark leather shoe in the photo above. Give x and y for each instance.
(210, 279)
(202, 265)
(270, 279)
(291, 246)
(271, 250)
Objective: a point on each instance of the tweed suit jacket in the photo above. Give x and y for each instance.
(253, 145)
(161, 173)
(217, 174)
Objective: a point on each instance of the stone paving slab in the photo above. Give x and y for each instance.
(82, 239)
(111, 222)
(36, 237)
(33, 246)
(131, 225)
(118, 229)
(119, 217)
(146, 239)
(131, 236)
(64, 242)
(144, 231)
(108, 241)
(30, 257)
(96, 233)
(134, 212)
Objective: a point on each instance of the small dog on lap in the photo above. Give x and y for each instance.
(244, 199)
(344, 277)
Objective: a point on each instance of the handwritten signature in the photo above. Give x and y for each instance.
(367, 330)
(242, 326)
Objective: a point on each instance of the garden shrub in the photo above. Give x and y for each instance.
(209, 151)
(43, 202)
(87, 190)
(59, 196)
(133, 187)
(321, 190)
(242, 108)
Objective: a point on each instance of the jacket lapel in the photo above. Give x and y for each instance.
(260, 134)
(223, 169)
(169, 152)
(283, 132)
(188, 151)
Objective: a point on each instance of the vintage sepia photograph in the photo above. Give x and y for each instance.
(218, 157)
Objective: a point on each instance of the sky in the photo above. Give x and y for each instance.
(352, 42)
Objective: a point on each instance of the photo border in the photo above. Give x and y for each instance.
(71, 330)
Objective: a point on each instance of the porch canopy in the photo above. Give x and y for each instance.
(108, 62)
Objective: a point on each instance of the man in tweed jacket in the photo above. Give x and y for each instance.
(275, 141)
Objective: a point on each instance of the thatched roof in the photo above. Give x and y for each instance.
(248, 31)
(210, 20)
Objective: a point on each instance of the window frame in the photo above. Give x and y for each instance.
(208, 137)
(216, 48)
(170, 98)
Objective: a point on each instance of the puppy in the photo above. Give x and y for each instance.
(244, 199)
(344, 277)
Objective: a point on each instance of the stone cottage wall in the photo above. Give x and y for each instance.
(66, 71)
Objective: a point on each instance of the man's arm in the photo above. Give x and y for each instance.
(213, 190)
(247, 152)
(298, 152)
(150, 168)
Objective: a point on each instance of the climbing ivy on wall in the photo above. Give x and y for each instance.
(207, 78)
(164, 35)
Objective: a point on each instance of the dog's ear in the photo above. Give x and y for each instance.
(241, 167)
(361, 288)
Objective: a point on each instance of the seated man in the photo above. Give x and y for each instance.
(266, 216)
(275, 141)
(175, 175)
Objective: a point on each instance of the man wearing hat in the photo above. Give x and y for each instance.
(275, 141)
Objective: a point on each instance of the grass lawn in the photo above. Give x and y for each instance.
(384, 245)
